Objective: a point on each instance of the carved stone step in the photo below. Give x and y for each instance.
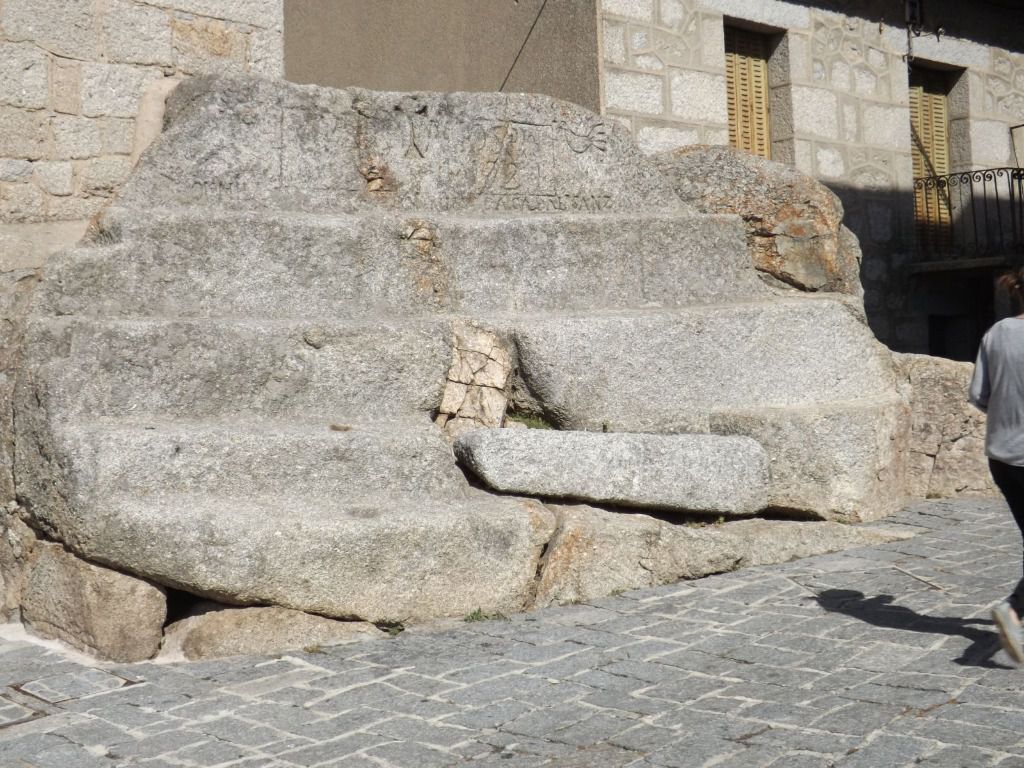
(336, 456)
(381, 559)
(201, 263)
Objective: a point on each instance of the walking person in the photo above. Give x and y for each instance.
(998, 389)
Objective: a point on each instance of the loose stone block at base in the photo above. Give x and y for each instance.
(95, 609)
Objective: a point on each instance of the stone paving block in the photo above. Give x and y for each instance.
(890, 750)
(857, 719)
(625, 703)
(642, 737)
(325, 750)
(410, 704)
(159, 744)
(235, 731)
(11, 712)
(958, 756)
(73, 685)
(400, 754)
(212, 752)
(691, 750)
(412, 729)
(490, 716)
(541, 723)
(594, 729)
(64, 755)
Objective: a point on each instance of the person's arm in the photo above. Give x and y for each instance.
(979, 390)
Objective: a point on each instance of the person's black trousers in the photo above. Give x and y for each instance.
(1010, 480)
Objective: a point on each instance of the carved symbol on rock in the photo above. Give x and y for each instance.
(593, 133)
(499, 159)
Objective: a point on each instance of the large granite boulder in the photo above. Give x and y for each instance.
(946, 455)
(795, 231)
(245, 384)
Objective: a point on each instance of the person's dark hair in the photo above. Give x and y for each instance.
(1013, 283)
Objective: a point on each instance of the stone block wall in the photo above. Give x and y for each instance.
(839, 109)
(72, 74)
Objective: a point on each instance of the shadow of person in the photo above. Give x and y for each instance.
(882, 612)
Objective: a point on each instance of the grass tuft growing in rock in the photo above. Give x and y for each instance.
(480, 615)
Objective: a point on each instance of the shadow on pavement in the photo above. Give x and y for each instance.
(882, 612)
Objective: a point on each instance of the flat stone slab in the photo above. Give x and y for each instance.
(696, 473)
(218, 631)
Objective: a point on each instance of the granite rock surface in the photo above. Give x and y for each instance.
(682, 473)
(241, 384)
(794, 224)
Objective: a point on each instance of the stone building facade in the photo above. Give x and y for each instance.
(74, 75)
(838, 76)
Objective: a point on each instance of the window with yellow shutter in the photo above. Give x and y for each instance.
(929, 136)
(746, 77)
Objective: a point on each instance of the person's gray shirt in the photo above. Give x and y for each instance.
(998, 389)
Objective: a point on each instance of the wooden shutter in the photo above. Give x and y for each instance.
(929, 125)
(746, 77)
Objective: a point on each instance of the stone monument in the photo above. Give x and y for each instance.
(246, 384)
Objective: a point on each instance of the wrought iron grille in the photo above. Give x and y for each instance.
(970, 215)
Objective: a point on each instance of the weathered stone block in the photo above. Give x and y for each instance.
(134, 33)
(56, 177)
(15, 170)
(612, 371)
(23, 75)
(596, 553)
(440, 264)
(21, 203)
(23, 133)
(699, 96)
(887, 127)
(266, 53)
(66, 86)
(102, 175)
(118, 135)
(95, 609)
(339, 458)
(947, 434)
(64, 27)
(76, 137)
(217, 631)
(794, 223)
(695, 473)
(206, 45)
(17, 545)
(259, 13)
(815, 112)
(114, 89)
(639, 10)
(837, 461)
(222, 369)
(654, 138)
(378, 559)
(278, 145)
(634, 92)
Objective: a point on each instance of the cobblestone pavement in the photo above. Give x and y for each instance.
(872, 658)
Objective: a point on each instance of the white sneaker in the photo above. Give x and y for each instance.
(1010, 633)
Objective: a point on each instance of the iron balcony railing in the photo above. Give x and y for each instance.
(970, 215)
